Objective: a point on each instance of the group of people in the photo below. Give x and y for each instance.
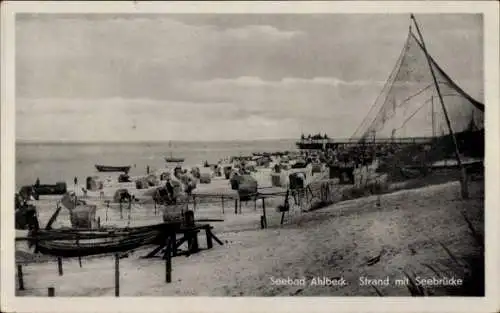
(313, 137)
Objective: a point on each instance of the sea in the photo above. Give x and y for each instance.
(62, 162)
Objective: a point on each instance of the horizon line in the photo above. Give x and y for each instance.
(58, 141)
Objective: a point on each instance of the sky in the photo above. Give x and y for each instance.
(210, 77)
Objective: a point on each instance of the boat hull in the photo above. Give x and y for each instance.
(105, 168)
(174, 160)
(76, 243)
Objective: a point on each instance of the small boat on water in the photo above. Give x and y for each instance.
(172, 159)
(106, 168)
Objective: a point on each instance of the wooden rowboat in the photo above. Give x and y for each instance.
(106, 168)
(77, 243)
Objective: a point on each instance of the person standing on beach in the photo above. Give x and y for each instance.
(147, 169)
(76, 180)
(37, 183)
(170, 190)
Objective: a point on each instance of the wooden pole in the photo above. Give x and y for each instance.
(235, 206)
(107, 207)
(432, 117)
(51, 292)
(129, 212)
(20, 276)
(194, 202)
(168, 258)
(209, 238)
(255, 203)
(79, 257)
(264, 211)
(222, 200)
(121, 210)
(59, 266)
(464, 189)
(117, 275)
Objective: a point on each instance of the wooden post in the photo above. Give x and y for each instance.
(189, 218)
(235, 206)
(59, 266)
(194, 202)
(255, 203)
(222, 200)
(79, 257)
(121, 210)
(20, 276)
(129, 212)
(168, 257)
(264, 211)
(51, 292)
(209, 237)
(107, 207)
(463, 172)
(155, 206)
(117, 275)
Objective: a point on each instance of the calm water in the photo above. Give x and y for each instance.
(62, 162)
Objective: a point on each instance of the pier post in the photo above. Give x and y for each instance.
(121, 210)
(117, 275)
(255, 203)
(51, 292)
(59, 266)
(194, 202)
(222, 200)
(20, 276)
(235, 206)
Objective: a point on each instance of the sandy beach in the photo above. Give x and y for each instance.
(335, 242)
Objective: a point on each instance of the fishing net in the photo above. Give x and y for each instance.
(408, 121)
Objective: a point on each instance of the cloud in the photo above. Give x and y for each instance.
(261, 32)
(287, 82)
(115, 118)
(205, 76)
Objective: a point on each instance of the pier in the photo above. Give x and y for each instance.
(324, 144)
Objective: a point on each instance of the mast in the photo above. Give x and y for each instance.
(465, 193)
(432, 116)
